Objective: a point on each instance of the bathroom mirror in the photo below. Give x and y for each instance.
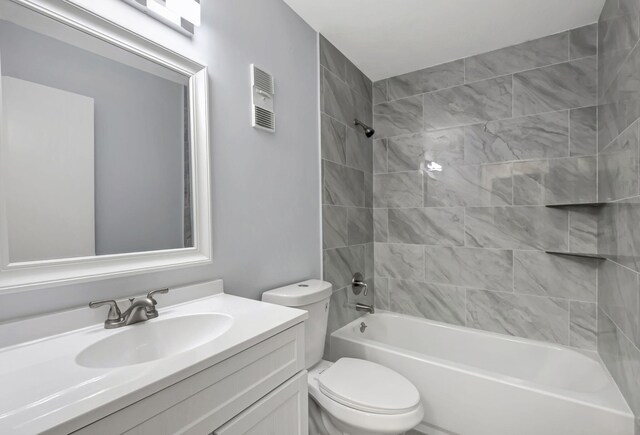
(104, 166)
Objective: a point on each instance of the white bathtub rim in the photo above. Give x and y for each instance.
(611, 390)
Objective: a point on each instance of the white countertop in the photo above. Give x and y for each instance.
(42, 388)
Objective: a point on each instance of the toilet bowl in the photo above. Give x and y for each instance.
(354, 396)
(358, 397)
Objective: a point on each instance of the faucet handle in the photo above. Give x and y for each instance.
(114, 316)
(151, 294)
(357, 284)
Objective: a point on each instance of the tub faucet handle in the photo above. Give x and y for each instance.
(357, 284)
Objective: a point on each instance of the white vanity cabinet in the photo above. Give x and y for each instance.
(261, 390)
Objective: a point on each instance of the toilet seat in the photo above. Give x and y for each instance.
(393, 422)
(369, 387)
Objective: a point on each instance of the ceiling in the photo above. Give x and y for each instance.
(385, 38)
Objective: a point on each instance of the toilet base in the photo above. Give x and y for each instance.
(321, 424)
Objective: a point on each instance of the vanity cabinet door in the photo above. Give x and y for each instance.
(284, 411)
(208, 399)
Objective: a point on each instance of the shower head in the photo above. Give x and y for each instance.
(368, 131)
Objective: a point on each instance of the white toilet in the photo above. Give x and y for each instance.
(356, 397)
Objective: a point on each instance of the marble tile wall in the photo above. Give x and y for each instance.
(347, 182)
(513, 130)
(619, 187)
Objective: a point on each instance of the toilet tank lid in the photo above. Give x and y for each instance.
(299, 294)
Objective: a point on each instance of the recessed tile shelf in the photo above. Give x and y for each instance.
(584, 204)
(577, 254)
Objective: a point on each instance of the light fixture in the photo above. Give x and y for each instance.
(182, 15)
(187, 9)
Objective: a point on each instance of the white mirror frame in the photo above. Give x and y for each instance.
(15, 277)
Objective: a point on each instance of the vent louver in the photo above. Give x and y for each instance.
(263, 89)
(263, 80)
(264, 119)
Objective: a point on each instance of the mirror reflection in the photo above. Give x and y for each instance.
(95, 148)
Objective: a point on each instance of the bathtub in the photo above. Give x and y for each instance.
(479, 383)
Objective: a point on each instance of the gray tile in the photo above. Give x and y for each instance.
(525, 316)
(627, 233)
(342, 185)
(618, 296)
(359, 151)
(617, 35)
(427, 226)
(341, 263)
(431, 79)
(584, 41)
(357, 80)
(332, 59)
(608, 128)
(398, 117)
(530, 137)
(399, 261)
(532, 54)
(369, 271)
(382, 293)
(380, 156)
(321, 89)
(360, 225)
(344, 103)
(618, 167)
(622, 359)
(583, 131)
(608, 231)
(431, 301)
(583, 325)
(368, 189)
(571, 180)
(469, 104)
(409, 153)
(477, 268)
(529, 182)
(583, 230)
(619, 106)
(397, 190)
(468, 186)
(563, 86)
(380, 92)
(380, 224)
(517, 228)
(538, 273)
(333, 136)
(334, 226)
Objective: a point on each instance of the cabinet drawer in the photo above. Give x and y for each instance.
(208, 399)
(281, 412)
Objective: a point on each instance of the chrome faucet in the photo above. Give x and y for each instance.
(365, 307)
(140, 310)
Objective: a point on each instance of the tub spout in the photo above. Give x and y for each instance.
(365, 307)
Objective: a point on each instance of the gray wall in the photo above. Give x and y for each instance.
(618, 164)
(265, 188)
(347, 165)
(139, 171)
(515, 130)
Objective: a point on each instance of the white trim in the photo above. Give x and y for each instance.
(15, 277)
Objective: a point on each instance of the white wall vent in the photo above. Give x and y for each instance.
(263, 89)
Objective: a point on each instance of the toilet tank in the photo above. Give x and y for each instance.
(313, 296)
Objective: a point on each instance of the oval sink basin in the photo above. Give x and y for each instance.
(153, 340)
